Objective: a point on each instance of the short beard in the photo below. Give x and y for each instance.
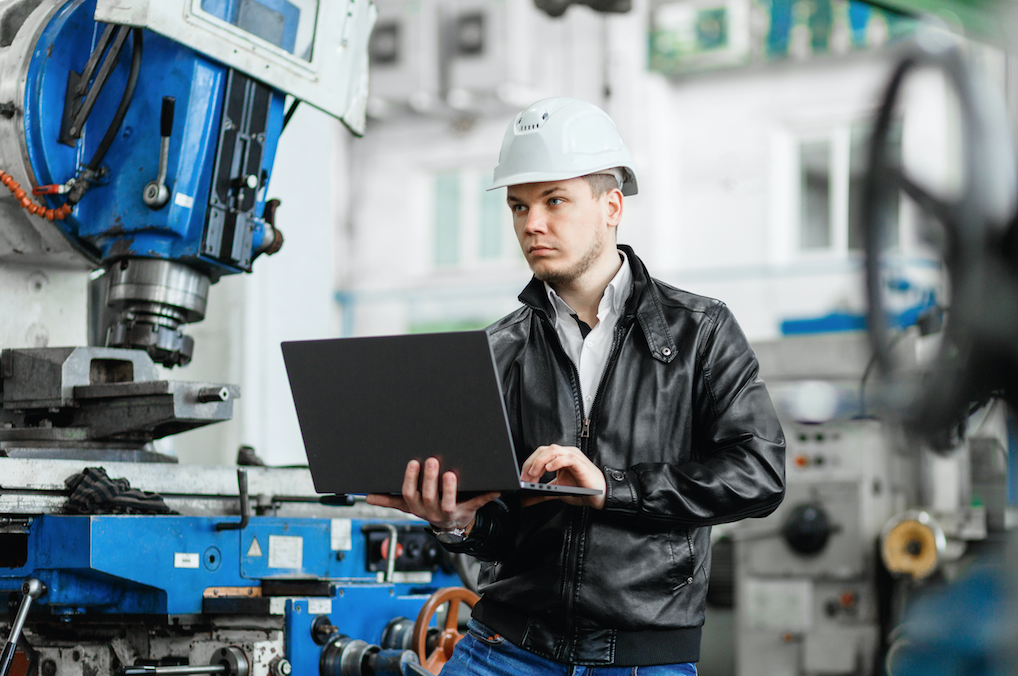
(582, 266)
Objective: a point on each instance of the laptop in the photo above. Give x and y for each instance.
(367, 406)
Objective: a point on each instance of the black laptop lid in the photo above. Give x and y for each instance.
(366, 406)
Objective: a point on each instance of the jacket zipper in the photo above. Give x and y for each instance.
(609, 362)
(580, 520)
(574, 543)
(577, 523)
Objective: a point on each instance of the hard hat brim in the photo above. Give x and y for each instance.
(629, 186)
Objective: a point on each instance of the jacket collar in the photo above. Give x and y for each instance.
(644, 304)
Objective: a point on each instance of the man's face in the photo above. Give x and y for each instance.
(562, 228)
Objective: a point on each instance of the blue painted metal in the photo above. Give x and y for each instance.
(162, 564)
(111, 220)
(356, 611)
(835, 322)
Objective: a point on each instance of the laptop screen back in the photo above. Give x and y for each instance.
(366, 406)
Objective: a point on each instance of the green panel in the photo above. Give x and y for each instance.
(983, 19)
(493, 208)
(447, 218)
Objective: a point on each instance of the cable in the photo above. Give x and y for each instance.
(125, 102)
(30, 206)
(289, 113)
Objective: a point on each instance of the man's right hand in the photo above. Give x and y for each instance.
(440, 510)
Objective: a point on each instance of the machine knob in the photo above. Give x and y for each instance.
(807, 529)
(233, 660)
(912, 544)
(280, 667)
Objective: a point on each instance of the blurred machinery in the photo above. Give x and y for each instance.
(137, 139)
(871, 520)
(889, 553)
(969, 626)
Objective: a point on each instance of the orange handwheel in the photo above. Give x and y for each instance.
(449, 635)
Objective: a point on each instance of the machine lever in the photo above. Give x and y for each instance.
(32, 589)
(167, 671)
(156, 194)
(245, 505)
(393, 547)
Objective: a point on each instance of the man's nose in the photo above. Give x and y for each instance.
(536, 221)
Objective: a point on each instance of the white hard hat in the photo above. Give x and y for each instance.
(561, 138)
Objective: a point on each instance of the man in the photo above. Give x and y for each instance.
(613, 381)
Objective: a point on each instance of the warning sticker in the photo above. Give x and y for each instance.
(341, 539)
(286, 551)
(255, 549)
(319, 606)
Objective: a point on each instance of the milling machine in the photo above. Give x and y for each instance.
(137, 140)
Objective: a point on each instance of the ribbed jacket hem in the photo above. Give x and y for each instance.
(621, 648)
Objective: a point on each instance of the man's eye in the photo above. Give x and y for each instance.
(555, 201)
(517, 208)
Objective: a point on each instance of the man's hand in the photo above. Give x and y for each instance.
(571, 467)
(441, 511)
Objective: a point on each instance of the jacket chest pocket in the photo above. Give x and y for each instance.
(683, 563)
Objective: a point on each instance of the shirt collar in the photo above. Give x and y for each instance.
(615, 294)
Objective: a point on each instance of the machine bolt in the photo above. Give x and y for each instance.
(48, 668)
(209, 394)
(280, 667)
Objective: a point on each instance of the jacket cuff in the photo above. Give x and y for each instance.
(620, 491)
(478, 534)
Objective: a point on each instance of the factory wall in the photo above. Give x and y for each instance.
(719, 156)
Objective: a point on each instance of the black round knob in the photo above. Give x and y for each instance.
(807, 529)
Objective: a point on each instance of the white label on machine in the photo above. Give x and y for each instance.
(341, 538)
(182, 200)
(286, 551)
(779, 605)
(319, 606)
(186, 560)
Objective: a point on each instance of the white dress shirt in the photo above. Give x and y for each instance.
(590, 353)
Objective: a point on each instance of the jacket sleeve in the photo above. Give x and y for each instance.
(738, 464)
(493, 533)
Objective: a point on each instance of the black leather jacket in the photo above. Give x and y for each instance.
(687, 437)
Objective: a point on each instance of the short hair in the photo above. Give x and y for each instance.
(601, 184)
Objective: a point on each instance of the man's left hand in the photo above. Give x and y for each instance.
(572, 468)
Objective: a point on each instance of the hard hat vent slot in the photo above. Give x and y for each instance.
(529, 120)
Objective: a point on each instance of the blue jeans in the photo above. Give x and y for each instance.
(482, 653)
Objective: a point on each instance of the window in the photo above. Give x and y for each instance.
(447, 219)
(472, 226)
(858, 159)
(831, 181)
(815, 195)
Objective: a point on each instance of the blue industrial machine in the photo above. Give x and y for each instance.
(138, 137)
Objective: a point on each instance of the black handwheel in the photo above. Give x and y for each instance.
(979, 352)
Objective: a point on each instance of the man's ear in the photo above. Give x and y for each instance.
(613, 207)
